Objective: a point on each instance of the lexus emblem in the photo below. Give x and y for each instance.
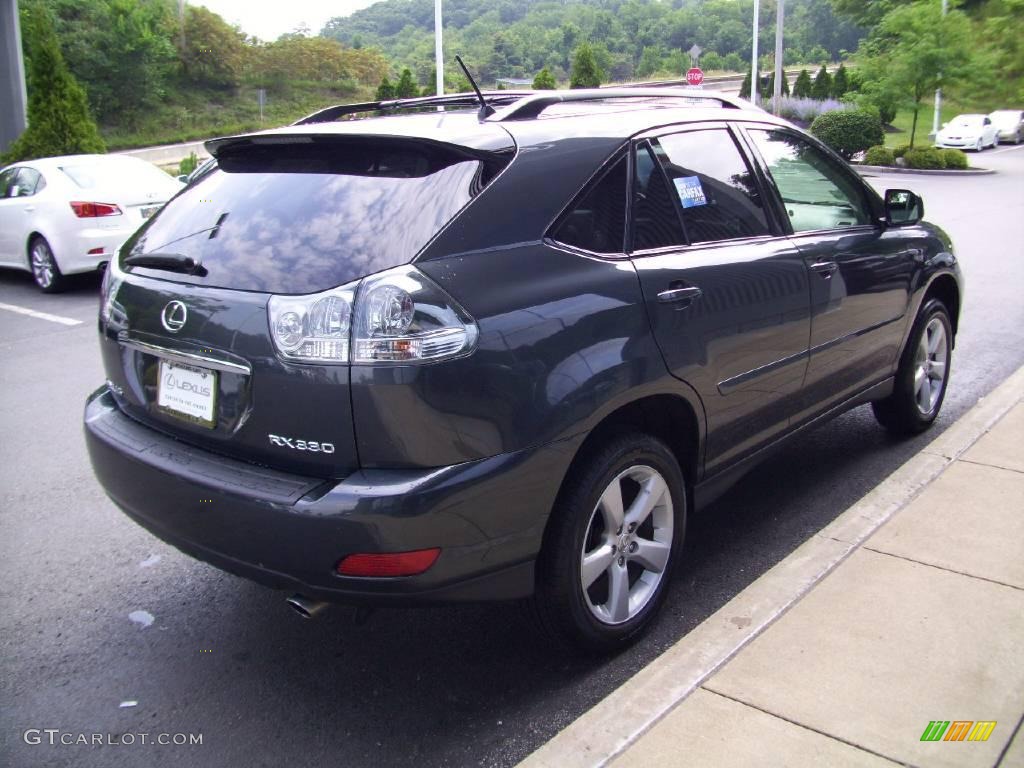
(174, 316)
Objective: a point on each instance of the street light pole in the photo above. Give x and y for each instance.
(777, 90)
(938, 91)
(755, 81)
(438, 48)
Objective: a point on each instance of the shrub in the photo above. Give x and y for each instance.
(954, 159)
(544, 81)
(821, 88)
(900, 150)
(879, 155)
(925, 158)
(848, 131)
(840, 83)
(189, 164)
(802, 86)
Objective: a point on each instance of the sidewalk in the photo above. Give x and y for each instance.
(918, 617)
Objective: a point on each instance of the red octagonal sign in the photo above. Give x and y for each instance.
(694, 76)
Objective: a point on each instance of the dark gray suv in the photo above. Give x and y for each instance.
(442, 354)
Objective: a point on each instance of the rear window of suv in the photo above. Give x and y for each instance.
(304, 217)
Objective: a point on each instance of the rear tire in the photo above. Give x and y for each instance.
(615, 536)
(43, 265)
(922, 376)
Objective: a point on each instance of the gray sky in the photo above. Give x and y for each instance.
(269, 18)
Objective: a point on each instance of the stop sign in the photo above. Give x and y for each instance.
(695, 76)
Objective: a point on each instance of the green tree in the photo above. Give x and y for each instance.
(214, 52)
(821, 89)
(585, 71)
(650, 61)
(802, 86)
(840, 83)
(385, 91)
(914, 50)
(406, 87)
(59, 122)
(544, 81)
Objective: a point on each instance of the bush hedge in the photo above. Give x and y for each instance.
(925, 158)
(848, 131)
(954, 159)
(879, 155)
(901, 150)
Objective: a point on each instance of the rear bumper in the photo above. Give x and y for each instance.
(74, 256)
(289, 531)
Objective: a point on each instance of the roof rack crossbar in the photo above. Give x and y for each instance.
(330, 114)
(535, 103)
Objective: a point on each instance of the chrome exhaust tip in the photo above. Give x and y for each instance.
(307, 607)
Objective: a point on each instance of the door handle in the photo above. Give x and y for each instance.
(29, 208)
(824, 268)
(688, 293)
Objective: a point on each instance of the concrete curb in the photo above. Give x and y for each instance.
(608, 729)
(922, 171)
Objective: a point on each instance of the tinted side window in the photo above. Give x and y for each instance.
(29, 182)
(715, 188)
(655, 220)
(597, 222)
(815, 192)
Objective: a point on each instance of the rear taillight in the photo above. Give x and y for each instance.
(94, 210)
(397, 316)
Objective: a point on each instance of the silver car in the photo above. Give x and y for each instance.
(1009, 123)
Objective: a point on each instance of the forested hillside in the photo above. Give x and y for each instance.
(150, 79)
(631, 38)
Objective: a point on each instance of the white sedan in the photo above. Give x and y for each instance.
(63, 215)
(968, 132)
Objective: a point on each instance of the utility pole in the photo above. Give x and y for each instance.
(438, 48)
(181, 22)
(779, 73)
(755, 80)
(938, 91)
(12, 81)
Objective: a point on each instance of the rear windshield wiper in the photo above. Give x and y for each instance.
(172, 262)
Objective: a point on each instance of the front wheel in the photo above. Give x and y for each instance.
(922, 376)
(45, 271)
(614, 539)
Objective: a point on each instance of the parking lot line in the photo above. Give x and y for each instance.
(40, 315)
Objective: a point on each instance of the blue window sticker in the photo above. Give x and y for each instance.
(691, 193)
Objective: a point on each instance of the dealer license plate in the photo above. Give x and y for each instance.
(188, 393)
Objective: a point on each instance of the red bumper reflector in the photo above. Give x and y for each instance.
(95, 250)
(389, 563)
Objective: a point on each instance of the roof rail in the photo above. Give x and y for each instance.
(453, 100)
(533, 104)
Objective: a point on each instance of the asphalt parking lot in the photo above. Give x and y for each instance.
(94, 612)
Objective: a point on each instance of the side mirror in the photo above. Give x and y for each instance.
(902, 207)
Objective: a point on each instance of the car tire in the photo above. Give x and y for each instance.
(43, 266)
(979, 146)
(599, 584)
(923, 374)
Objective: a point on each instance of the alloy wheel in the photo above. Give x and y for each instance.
(627, 545)
(42, 264)
(930, 366)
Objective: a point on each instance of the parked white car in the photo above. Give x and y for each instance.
(64, 215)
(968, 132)
(1009, 123)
